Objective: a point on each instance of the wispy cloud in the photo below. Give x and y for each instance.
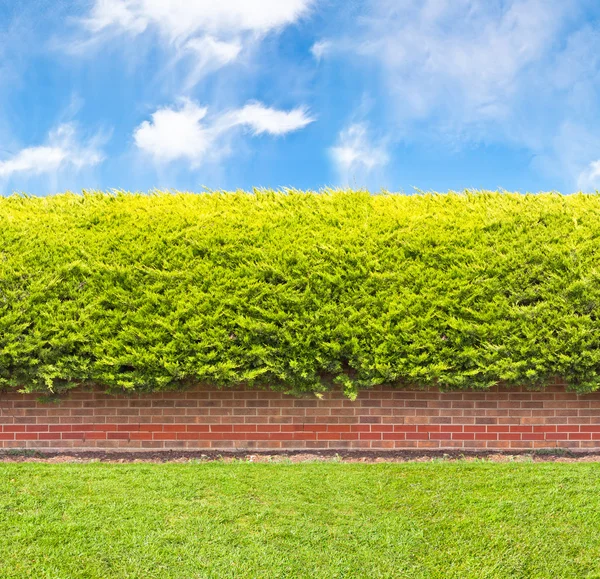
(464, 58)
(458, 72)
(215, 33)
(208, 54)
(589, 178)
(185, 133)
(320, 49)
(62, 150)
(355, 155)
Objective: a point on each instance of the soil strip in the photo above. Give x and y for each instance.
(85, 456)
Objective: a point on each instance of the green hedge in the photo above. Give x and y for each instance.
(299, 291)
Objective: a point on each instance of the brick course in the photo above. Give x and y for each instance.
(381, 418)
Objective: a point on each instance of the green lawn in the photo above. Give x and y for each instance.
(438, 519)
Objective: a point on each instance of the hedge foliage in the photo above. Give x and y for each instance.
(299, 291)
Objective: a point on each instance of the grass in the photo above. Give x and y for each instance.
(429, 520)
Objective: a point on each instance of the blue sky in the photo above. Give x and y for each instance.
(383, 94)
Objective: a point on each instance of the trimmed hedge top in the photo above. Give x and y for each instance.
(299, 291)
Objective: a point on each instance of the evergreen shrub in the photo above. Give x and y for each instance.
(299, 291)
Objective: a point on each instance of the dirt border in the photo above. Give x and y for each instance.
(164, 456)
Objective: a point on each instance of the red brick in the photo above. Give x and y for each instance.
(72, 436)
(269, 428)
(498, 428)
(394, 436)
(370, 419)
(330, 435)
(167, 435)
(580, 435)
(36, 428)
(441, 435)
(141, 436)
(26, 436)
(463, 435)
(371, 435)
(95, 435)
(218, 428)
(189, 435)
(49, 436)
(509, 436)
(382, 428)
(151, 427)
(117, 435)
(339, 428)
(487, 436)
(428, 428)
(313, 435)
(244, 428)
(60, 428)
(181, 428)
(533, 436)
(548, 428)
(14, 428)
(453, 428)
(405, 428)
(198, 428)
(557, 436)
(315, 427)
(360, 428)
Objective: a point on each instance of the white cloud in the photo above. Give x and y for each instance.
(589, 178)
(263, 119)
(465, 58)
(355, 155)
(118, 13)
(182, 19)
(187, 134)
(175, 134)
(62, 150)
(210, 54)
(214, 33)
(320, 49)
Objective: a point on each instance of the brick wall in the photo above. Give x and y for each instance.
(383, 418)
